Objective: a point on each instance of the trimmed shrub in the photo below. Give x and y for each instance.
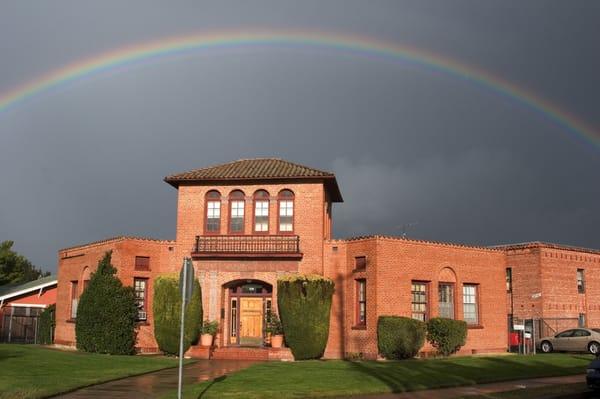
(166, 309)
(399, 337)
(106, 313)
(209, 327)
(304, 303)
(446, 335)
(47, 323)
(274, 325)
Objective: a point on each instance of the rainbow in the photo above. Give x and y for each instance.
(574, 126)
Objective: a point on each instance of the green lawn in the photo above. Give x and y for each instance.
(31, 371)
(341, 378)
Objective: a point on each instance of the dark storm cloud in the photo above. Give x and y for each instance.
(407, 144)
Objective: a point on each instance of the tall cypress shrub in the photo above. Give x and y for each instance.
(106, 313)
(46, 324)
(304, 303)
(166, 309)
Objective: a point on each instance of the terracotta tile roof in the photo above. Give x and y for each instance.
(541, 244)
(257, 169)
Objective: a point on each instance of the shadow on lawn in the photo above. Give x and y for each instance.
(5, 353)
(213, 382)
(414, 375)
(411, 375)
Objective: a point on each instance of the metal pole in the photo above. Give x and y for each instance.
(10, 320)
(533, 337)
(522, 343)
(179, 387)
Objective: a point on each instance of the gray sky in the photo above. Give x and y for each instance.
(407, 144)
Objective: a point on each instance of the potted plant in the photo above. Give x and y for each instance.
(207, 332)
(275, 329)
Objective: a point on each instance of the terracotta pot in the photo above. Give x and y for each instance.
(206, 339)
(276, 341)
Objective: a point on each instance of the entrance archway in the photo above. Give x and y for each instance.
(249, 302)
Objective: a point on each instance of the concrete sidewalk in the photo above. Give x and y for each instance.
(158, 383)
(481, 389)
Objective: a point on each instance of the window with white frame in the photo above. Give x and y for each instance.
(419, 300)
(286, 211)
(213, 212)
(236, 216)
(361, 302)
(139, 286)
(470, 306)
(74, 298)
(261, 211)
(446, 300)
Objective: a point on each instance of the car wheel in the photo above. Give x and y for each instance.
(546, 347)
(594, 348)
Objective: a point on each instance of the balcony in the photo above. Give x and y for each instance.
(243, 247)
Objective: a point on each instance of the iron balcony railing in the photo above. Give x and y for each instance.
(237, 244)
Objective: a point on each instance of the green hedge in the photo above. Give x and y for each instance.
(446, 335)
(46, 325)
(304, 303)
(399, 337)
(166, 309)
(106, 314)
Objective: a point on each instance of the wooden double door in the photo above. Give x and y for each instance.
(251, 320)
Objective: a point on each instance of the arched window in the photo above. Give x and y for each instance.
(261, 211)
(213, 212)
(85, 277)
(236, 212)
(286, 211)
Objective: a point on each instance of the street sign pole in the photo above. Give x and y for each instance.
(186, 287)
(533, 338)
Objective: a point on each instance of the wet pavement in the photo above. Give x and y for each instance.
(156, 384)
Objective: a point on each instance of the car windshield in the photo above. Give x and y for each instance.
(596, 330)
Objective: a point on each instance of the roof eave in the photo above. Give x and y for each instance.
(330, 182)
(28, 290)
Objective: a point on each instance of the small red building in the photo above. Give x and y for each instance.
(559, 285)
(20, 307)
(249, 222)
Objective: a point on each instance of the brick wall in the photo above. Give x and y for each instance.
(552, 272)
(310, 218)
(78, 263)
(392, 264)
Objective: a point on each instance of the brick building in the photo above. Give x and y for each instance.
(557, 284)
(249, 222)
(21, 306)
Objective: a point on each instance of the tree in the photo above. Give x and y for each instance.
(400, 337)
(46, 325)
(304, 303)
(166, 309)
(106, 313)
(446, 335)
(15, 268)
